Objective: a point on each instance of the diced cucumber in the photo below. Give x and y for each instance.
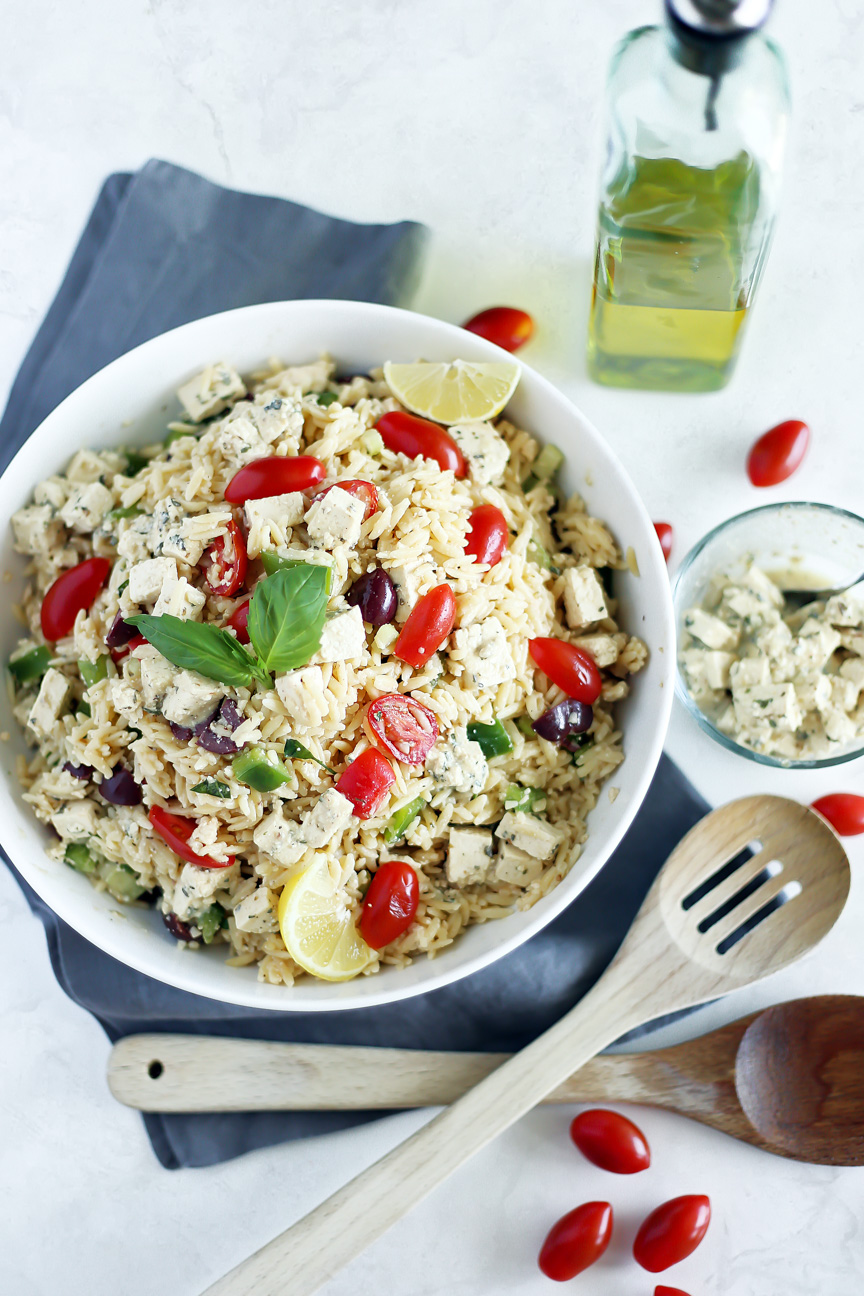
(537, 554)
(544, 467)
(253, 767)
(210, 921)
(372, 442)
(78, 857)
(123, 882)
(493, 738)
(524, 725)
(31, 665)
(295, 750)
(402, 820)
(529, 799)
(326, 398)
(130, 511)
(93, 672)
(213, 787)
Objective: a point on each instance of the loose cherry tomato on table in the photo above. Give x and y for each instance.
(777, 453)
(672, 1232)
(237, 621)
(366, 782)
(610, 1141)
(390, 904)
(175, 831)
(418, 438)
(669, 1291)
(844, 812)
(404, 727)
(428, 625)
(572, 669)
(360, 490)
(225, 562)
(275, 475)
(487, 534)
(506, 326)
(72, 592)
(664, 535)
(576, 1241)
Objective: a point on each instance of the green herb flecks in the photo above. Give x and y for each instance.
(130, 511)
(295, 750)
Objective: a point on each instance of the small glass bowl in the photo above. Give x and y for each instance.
(818, 539)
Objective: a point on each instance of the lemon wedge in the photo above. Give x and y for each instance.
(318, 927)
(457, 391)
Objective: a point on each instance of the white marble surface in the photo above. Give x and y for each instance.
(482, 120)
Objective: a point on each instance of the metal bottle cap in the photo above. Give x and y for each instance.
(720, 18)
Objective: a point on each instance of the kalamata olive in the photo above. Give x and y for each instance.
(180, 732)
(375, 595)
(214, 734)
(120, 788)
(120, 633)
(568, 717)
(177, 927)
(82, 772)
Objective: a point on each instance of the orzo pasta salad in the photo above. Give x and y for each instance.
(322, 681)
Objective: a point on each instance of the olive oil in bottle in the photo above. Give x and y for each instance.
(689, 196)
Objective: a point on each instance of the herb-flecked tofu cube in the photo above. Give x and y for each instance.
(50, 701)
(584, 597)
(335, 519)
(469, 855)
(528, 833)
(484, 448)
(210, 391)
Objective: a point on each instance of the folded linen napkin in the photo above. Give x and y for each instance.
(145, 263)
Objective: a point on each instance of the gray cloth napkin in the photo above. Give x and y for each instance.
(162, 247)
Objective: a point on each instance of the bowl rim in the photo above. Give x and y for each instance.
(681, 691)
(187, 974)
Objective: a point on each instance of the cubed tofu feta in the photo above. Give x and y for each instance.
(147, 579)
(328, 818)
(813, 692)
(156, 676)
(195, 888)
(133, 542)
(762, 586)
(528, 833)
(124, 698)
(335, 519)
(53, 491)
(716, 666)
(180, 599)
(86, 507)
(485, 654)
(37, 530)
(603, 648)
(88, 466)
(485, 449)
(186, 538)
(846, 609)
(515, 866)
(405, 583)
(458, 763)
(853, 669)
(343, 638)
(813, 646)
(759, 703)
(191, 698)
(269, 521)
(839, 726)
(302, 694)
(273, 417)
(210, 391)
(257, 912)
(749, 672)
(77, 821)
(279, 838)
(50, 701)
(584, 597)
(709, 630)
(469, 855)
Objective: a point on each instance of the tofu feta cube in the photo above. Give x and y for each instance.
(406, 590)
(485, 654)
(133, 542)
(469, 855)
(302, 694)
(76, 822)
(335, 519)
(853, 669)
(268, 521)
(279, 838)
(584, 597)
(50, 701)
(485, 449)
(210, 391)
(147, 579)
(759, 703)
(343, 638)
(37, 530)
(813, 692)
(846, 609)
(814, 644)
(190, 698)
(53, 491)
(329, 818)
(710, 630)
(515, 866)
(458, 763)
(156, 677)
(604, 648)
(749, 672)
(180, 599)
(86, 507)
(124, 698)
(195, 888)
(716, 665)
(274, 418)
(528, 833)
(257, 912)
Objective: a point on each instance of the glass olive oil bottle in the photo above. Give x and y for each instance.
(697, 118)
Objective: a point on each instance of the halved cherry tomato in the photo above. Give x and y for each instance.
(118, 654)
(175, 831)
(73, 591)
(844, 812)
(664, 535)
(672, 1232)
(237, 622)
(578, 1239)
(366, 782)
(404, 727)
(360, 490)
(412, 436)
(572, 669)
(429, 623)
(487, 534)
(777, 453)
(390, 904)
(225, 562)
(506, 326)
(668, 1291)
(276, 475)
(610, 1141)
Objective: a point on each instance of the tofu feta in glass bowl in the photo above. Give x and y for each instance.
(771, 635)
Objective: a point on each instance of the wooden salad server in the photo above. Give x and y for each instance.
(752, 887)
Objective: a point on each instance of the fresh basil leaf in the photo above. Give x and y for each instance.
(286, 616)
(213, 787)
(295, 750)
(271, 562)
(326, 398)
(202, 648)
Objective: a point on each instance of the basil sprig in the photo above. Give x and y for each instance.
(295, 750)
(286, 616)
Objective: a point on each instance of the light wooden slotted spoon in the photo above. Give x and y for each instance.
(751, 888)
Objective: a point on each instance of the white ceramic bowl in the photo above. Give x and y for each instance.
(138, 390)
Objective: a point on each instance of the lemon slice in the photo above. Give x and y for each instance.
(457, 391)
(318, 927)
